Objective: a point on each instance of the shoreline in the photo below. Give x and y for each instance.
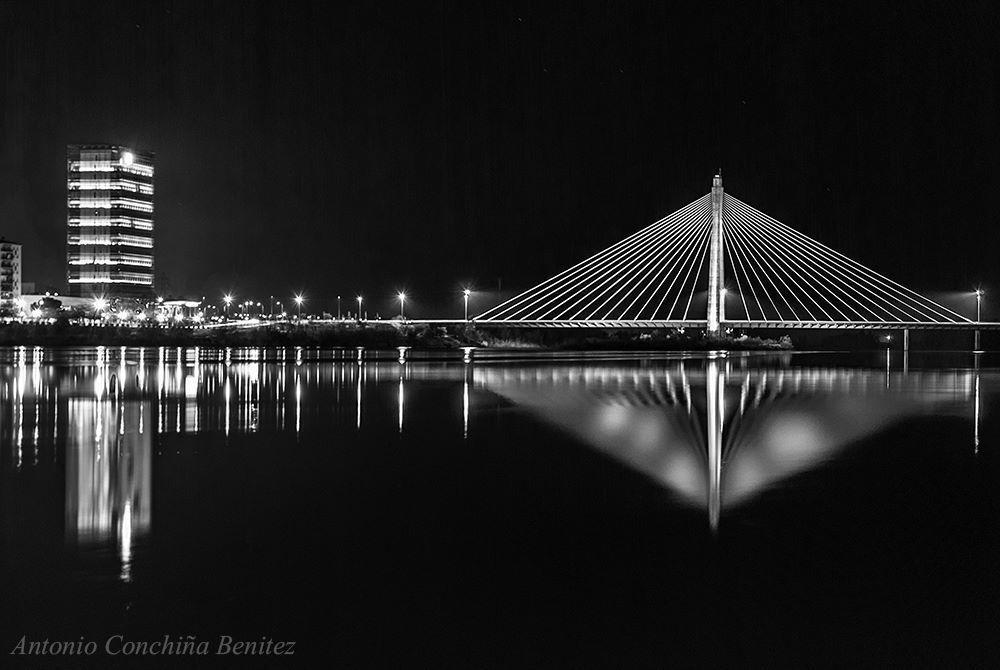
(381, 335)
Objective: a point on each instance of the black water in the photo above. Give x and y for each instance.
(809, 510)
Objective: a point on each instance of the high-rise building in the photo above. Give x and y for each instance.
(10, 272)
(109, 219)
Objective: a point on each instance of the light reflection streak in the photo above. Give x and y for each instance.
(399, 402)
(298, 404)
(358, 422)
(976, 411)
(465, 407)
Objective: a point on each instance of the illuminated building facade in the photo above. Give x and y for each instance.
(109, 220)
(10, 272)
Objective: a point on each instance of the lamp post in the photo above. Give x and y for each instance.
(979, 317)
(359, 307)
(228, 300)
(298, 303)
(338, 308)
(402, 305)
(465, 296)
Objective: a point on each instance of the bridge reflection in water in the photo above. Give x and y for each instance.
(717, 432)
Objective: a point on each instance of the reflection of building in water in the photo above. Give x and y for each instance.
(717, 434)
(29, 408)
(109, 473)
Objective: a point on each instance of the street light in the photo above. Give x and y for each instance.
(359, 307)
(465, 296)
(338, 308)
(100, 304)
(979, 316)
(402, 303)
(298, 302)
(228, 300)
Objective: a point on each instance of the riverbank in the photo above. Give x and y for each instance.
(374, 335)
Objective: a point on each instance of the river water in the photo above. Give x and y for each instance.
(520, 510)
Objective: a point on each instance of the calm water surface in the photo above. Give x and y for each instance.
(613, 510)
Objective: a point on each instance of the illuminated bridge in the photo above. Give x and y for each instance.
(717, 264)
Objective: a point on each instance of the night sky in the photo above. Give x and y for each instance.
(339, 148)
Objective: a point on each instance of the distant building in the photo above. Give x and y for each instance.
(109, 221)
(10, 272)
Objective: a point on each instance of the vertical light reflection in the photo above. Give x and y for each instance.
(161, 380)
(140, 377)
(229, 397)
(887, 361)
(400, 403)
(125, 533)
(19, 382)
(714, 390)
(190, 404)
(36, 389)
(465, 408)
(298, 402)
(358, 423)
(976, 411)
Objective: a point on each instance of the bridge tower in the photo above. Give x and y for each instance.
(716, 280)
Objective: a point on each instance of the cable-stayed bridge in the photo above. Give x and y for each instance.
(719, 263)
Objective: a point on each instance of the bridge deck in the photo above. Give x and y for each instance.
(745, 325)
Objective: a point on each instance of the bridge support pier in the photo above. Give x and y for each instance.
(906, 340)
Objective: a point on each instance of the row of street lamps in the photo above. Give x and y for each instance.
(401, 296)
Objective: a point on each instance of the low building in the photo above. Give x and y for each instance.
(10, 273)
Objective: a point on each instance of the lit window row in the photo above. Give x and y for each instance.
(137, 262)
(81, 257)
(109, 185)
(93, 166)
(110, 166)
(96, 203)
(136, 168)
(111, 241)
(109, 222)
(139, 278)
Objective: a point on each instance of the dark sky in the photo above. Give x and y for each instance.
(365, 147)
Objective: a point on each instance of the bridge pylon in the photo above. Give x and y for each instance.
(716, 267)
